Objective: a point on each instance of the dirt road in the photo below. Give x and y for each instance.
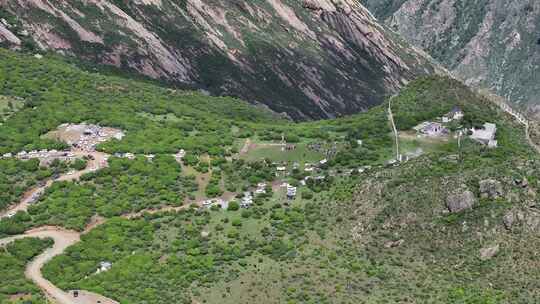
(62, 240)
(65, 238)
(99, 161)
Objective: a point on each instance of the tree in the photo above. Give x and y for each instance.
(307, 195)
(233, 206)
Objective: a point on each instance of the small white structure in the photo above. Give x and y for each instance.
(291, 192)
(261, 188)
(119, 135)
(150, 157)
(180, 154)
(281, 168)
(431, 129)
(104, 266)
(455, 114)
(323, 162)
(486, 135)
(247, 200)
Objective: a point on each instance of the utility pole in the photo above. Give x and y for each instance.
(394, 129)
(459, 134)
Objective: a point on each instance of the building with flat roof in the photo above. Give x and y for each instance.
(455, 114)
(485, 135)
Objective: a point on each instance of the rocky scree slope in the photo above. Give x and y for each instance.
(488, 43)
(309, 59)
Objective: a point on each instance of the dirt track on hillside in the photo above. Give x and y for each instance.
(62, 240)
(98, 162)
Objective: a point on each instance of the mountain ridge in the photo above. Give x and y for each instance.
(492, 44)
(282, 53)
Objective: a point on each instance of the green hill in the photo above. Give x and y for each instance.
(367, 232)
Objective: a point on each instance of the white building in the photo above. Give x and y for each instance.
(486, 135)
(431, 129)
(104, 266)
(455, 114)
(180, 154)
(247, 200)
(291, 192)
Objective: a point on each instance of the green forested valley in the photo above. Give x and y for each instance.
(213, 200)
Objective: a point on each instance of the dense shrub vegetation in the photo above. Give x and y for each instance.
(14, 287)
(16, 177)
(380, 236)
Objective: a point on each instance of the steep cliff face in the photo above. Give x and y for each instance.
(490, 43)
(310, 59)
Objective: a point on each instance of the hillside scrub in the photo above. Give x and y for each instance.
(13, 260)
(16, 177)
(382, 234)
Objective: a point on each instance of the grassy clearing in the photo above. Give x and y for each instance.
(274, 152)
(410, 143)
(169, 117)
(9, 106)
(202, 180)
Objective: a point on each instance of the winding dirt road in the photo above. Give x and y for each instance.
(99, 161)
(65, 238)
(62, 240)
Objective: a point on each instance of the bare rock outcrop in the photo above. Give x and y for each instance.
(491, 189)
(489, 252)
(460, 201)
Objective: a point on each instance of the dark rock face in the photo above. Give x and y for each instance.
(309, 59)
(460, 201)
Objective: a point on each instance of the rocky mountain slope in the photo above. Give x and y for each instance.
(310, 59)
(490, 43)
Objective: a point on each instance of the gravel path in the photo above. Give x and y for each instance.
(62, 240)
(32, 195)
